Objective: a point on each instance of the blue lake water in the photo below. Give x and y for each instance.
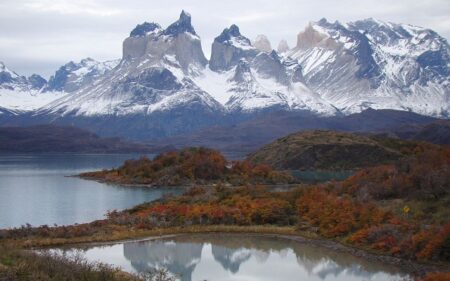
(36, 189)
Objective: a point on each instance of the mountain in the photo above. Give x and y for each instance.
(312, 150)
(49, 138)
(150, 93)
(247, 80)
(239, 140)
(73, 76)
(9, 80)
(437, 132)
(262, 43)
(164, 86)
(20, 94)
(370, 63)
(283, 47)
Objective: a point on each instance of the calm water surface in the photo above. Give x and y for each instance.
(238, 257)
(35, 189)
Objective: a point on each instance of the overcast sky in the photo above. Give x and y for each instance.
(38, 36)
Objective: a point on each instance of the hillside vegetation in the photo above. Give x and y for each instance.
(331, 150)
(398, 209)
(190, 166)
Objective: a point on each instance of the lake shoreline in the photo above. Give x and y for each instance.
(413, 268)
(185, 186)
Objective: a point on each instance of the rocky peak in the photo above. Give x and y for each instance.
(72, 76)
(269, 65)
(337, 36)
(228, 33)
(229, 47)
(178, 45)
(183, 24)
(36, 81)
(283, 47)
(262, 43)
(11, 80)
(4, 69)
(310, 38)
(144, 28)
(242, 72)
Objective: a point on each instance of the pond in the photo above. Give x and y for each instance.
(238, 257)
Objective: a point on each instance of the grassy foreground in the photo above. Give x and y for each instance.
(30, 266)
(17, 263)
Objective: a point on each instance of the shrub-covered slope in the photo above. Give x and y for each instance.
(330, 150)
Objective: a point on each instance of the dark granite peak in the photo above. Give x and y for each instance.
(144, 28)
(183, 24)
(228, 33)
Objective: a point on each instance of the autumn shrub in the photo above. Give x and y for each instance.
(436, 276)
(424, 175)
(336, 215)
(188, 166)
(438, 247)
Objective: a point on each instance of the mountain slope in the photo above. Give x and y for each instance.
(370, 63)
(437, 132)
(73, 76)
(149, 93)
(19, 94)
(247, 79)
(64, 139)
(246, 137)
(164, 86)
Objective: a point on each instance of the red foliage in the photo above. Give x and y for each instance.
(437, 276)
(337, 216)
(438, 245)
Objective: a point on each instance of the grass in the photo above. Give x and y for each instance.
(16, 262)
(125, 233)
(20, 265)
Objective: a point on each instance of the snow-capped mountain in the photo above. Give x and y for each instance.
(151, 87)
(164, 85)
(373, 64)
(246, 79)
(19, 94)
(73, 76)
(262, 43)
(152, 76)
(164, 73)
(9, 80)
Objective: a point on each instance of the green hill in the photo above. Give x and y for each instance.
(330, 150)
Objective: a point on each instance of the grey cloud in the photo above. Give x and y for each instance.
(40, 35)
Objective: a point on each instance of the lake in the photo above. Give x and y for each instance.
(221, 257)
(36, 189)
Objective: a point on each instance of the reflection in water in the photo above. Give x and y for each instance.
(180, 259)
(239, 257)
(230, 259)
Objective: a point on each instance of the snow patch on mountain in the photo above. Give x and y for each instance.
(216, 84)
(24, 101)
(373, 64)
(73, 76)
